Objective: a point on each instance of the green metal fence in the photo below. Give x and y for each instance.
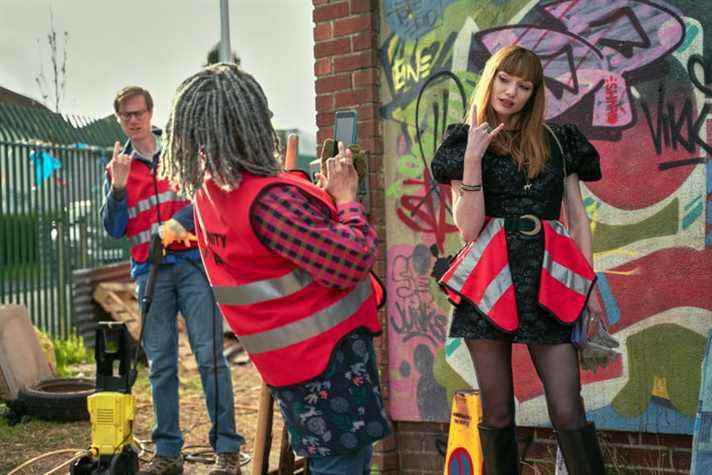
(51, 173)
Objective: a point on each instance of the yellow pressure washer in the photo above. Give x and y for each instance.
(111, 407)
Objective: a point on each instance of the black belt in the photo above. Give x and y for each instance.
(526, 224)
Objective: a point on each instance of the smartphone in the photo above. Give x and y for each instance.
(314, 168)
(344, 129)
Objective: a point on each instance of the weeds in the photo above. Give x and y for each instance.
(70, 351)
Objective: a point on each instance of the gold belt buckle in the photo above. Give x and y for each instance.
(537, 225)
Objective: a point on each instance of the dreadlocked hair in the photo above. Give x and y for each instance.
(219, 124)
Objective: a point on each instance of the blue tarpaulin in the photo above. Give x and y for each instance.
(45, 165)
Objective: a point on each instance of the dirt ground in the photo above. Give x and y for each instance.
(32, 438)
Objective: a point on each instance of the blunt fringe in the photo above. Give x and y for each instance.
(527, 143)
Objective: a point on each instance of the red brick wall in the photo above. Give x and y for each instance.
(624, 452)
(346, 70)
(347, 77)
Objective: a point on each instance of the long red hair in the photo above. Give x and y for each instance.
(527, 143)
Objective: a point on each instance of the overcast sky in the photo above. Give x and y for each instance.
(157, 44)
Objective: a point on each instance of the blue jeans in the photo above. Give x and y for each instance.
(183, 287)
(355, 463)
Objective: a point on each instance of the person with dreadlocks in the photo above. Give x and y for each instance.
(138, 205)
(288, 262)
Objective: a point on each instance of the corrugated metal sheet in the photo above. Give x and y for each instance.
(33, 124)
(86, 311)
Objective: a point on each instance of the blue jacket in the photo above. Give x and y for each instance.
(114, 214)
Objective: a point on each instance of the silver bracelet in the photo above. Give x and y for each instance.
(465, 187)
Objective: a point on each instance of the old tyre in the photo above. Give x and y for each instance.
(63, 399)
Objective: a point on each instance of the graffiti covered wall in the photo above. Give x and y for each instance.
(636, 77)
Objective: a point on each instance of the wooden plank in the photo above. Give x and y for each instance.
(286, 455)
(263, 436)
(119, 301)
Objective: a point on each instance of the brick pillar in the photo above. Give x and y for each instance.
(347, 77)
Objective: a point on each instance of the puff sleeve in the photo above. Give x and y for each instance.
(449, 160)
(581, 157)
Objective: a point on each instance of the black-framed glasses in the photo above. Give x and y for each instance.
(127, 115)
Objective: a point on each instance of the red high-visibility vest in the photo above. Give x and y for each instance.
(287, 322)
(145, 200)
(480, 273)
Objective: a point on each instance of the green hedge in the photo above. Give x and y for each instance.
(19, 240)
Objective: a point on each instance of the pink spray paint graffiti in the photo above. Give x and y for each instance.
(600, 42)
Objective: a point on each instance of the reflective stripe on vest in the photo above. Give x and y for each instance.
(481, 274)
(471, 257)
(300, 330)
(495, 290)
(151, 201)
(144, 236)
(263, 290)
(566, 276)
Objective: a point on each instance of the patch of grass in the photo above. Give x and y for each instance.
(191, 384)
(69, 352)
(31, 438)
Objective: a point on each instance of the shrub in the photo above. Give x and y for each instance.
(68, 352)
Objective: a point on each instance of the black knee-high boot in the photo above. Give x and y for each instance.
(581, 450)
(499, 448)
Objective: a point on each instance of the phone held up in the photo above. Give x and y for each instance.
(345, 131)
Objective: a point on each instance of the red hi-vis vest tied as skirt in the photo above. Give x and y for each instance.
(480, 273)
(287, 322)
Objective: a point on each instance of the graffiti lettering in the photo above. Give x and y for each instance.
(669, 125)
(421, 320)
(428, 208)
(624, 46)
(703, 86)
(427, 212)
(616, 69)
(412, 70)
(415, 314)
(611, 86)
(599, 42)
(412, 19)
(407, 66)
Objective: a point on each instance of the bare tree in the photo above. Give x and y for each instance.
(53, 89)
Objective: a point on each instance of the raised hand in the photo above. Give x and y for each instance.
(341, 179)
(119, 166)
(479, 137)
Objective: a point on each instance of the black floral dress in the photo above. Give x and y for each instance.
(506, 194)
(340, 410)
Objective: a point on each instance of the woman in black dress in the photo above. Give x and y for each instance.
(505, 163)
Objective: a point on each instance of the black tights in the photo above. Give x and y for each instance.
(557, 367)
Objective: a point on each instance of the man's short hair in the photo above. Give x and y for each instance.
(129, 92)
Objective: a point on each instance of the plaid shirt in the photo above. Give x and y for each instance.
(300, 229)
(341, 410)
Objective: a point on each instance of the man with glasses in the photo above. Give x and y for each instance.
(138, 206)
